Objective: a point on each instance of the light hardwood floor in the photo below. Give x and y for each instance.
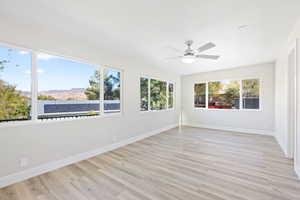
(186, 164)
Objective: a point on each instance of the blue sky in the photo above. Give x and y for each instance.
(54, 73)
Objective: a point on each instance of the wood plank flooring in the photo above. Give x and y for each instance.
(180, 164)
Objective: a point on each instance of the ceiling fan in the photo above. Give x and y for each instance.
(191, 55)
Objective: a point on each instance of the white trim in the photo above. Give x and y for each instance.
(291, 130)
(224, 128)
(101, 93)
(297, 170)
(50, 166)
(56, 120)
(34, 87)
(68, 57)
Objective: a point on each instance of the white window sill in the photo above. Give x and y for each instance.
(56, 120)
(157, 111)
(234, 110)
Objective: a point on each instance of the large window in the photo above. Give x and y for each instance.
(224, 94)
(41, 86)
(227, 94)
(67, 88)
(156, 94)
(200, 95)
(15, 84)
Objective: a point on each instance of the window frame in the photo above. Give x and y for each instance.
(34, 88)
(240, 80)
(149, 94)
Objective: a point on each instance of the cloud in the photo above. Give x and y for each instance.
(43, 56)
(23, 52)
(39, 70)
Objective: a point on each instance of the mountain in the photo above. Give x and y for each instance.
(72, 94)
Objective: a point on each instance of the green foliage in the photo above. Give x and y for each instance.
(200, 94)
(92, 113)
(111, 87)
(251, 88)
(224, 93)
(93, 92)
(45, 97)
(144, 93)
(171, 95)
(13, 105)
(215, 87)
(200, 89)
(158, 98)
(2, 64)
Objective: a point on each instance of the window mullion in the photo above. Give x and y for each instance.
(206, 94)
(149, 95)
(34, 87)
(121, 91)
(167, 95)
(241, 95)
(101, 91)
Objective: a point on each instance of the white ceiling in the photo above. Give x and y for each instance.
(149, 27)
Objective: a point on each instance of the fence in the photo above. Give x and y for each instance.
(71, 108)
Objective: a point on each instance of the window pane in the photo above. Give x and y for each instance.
(67, 88)
(15, 84)
(224, 94)
(250, 94)
(158, 90)
(144, 93)
(200, 95)
(171, 95)
(112, 84)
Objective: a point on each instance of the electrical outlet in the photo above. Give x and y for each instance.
(24, 162)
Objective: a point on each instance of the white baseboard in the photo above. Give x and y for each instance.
(29, 173)
(240, 130)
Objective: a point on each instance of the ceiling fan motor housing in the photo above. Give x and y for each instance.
(189, 51)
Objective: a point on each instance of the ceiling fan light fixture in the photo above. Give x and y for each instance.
(188, 59)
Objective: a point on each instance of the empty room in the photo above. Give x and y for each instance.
(150, 100)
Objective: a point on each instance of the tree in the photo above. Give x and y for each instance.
(158, 94)
(200, 91)
(251, 88)
(93, 92)
(13, 105)
(232, 92)
(46, 97)
(111, 87)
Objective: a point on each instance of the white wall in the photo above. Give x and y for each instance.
(281, 80)
(46, 142)
(245, 121)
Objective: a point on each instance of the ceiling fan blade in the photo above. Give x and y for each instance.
(205, 47)
(173, 57)
(212, 57)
